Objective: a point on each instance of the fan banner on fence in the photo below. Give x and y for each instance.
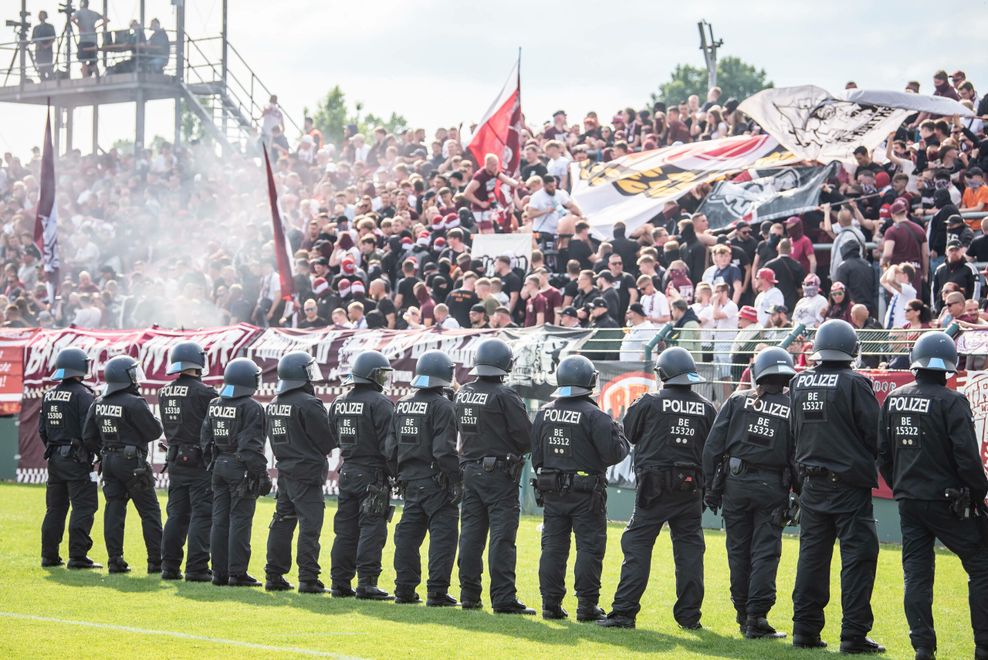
(13, 341)
(634, 188)
(973, 342)
(815, 125)
(488, 247)
(776, 193)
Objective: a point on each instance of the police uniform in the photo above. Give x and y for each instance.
(361, 422)
(121, 424)
(928, 447)
(70, 466)
(573, 443)
(424, 451)
(835, 422)
(495, 434)
(233, 434)
(752, 436)
(183, 404)
(668, 430)
(298, 428)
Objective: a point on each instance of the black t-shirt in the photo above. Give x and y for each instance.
(386, 306)
(406, 287)
(511, 284)
(749, 247)
(979, 248)
(581, 251)
(571, 288)
(766, 252)
(459, 302)
(537, 168)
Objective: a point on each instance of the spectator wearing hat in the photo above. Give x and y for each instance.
(641, 332)
(839, 302)
(748, 336)
(778, 317)
(478, 317)
(905, 242)
(606, 342)
(811, 310)
(957, 270)
(958, 229)
(768, 247)
(789, 273)
(769, 295)
(569, 318)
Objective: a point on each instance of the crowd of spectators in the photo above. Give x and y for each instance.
(380, 228)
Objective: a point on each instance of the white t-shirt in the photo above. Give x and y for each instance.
(895, 315)
(633, 344)
(655, 305)
(706, 315)
(555, 204)
(764, 303)
(558, 167)
(809, 311)
(449, 323)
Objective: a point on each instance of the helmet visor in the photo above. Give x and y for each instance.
(313, 372)
(383, 377)
(137, 376)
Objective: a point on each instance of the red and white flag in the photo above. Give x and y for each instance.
(45, 218)
(280, 244)
(499, 132)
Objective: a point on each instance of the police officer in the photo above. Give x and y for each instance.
(70, 465)
(835, 421)
(120, 424)
(232, 438)
(423, 448)
(751, 438)
(929, 455)
(573, 443)
(183, 404)
(668, 430)
(360, 421)
(494, 437)
(298, 428)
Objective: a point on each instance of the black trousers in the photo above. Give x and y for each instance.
(69, 484)
(490, 505)
(682, 512)
(754, 542)
(359, 538)
(831, 511)
(118, 487)
(428, 508)
(576, 514)
(298, 504)
(190, 516)
(233, 515)
(922, 524)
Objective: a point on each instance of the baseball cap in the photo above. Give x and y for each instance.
(637, 309)
(792, 220)
(974, 171)
(955, 219)
(882, 179)
(479, 308)
(605, 275)
(953, 244)
(898, 207)
(748, 313)
(570, 311)
(766, 274)
(885, 211)
(319, 285)
(357, 287)
(779, 309)
(599, 303)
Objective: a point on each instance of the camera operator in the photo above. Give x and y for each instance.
(43, 38)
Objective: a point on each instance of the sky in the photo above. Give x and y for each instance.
(442, 62)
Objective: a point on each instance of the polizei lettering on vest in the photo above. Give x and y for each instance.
(682, 407)
(58, 395)
(562, 416)
(348, 407)
(472, 398)
(412, 408)
(109, 410)
(224, 412)
(909, 404)
(817, 380)
(280, 410)
(766, 407)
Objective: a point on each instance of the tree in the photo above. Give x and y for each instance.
(735, 77)
(331, 116)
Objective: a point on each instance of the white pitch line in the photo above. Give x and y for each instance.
(179, 635)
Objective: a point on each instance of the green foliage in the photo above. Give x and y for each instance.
(735, 77)
(331, 116)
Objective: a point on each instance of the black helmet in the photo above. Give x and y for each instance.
(575, 376)
(371, 367)
(240, 378)
(773, 361)
(187, 355)
(835, 341)
(71, 362)
(934, 351)
(676, 366)
(493, 358)
(121, 373)
(433, 369)
(295, 370)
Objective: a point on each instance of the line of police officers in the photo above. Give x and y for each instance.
(794, 448)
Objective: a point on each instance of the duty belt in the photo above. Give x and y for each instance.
(821, 474)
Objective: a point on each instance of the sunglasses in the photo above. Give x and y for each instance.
(837, 293)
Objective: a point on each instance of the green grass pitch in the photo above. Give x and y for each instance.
(72, 614)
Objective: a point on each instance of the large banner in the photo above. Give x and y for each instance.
(488, 247)
(815, 125)
(634, 188)
(13, 341)
(776, 193)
